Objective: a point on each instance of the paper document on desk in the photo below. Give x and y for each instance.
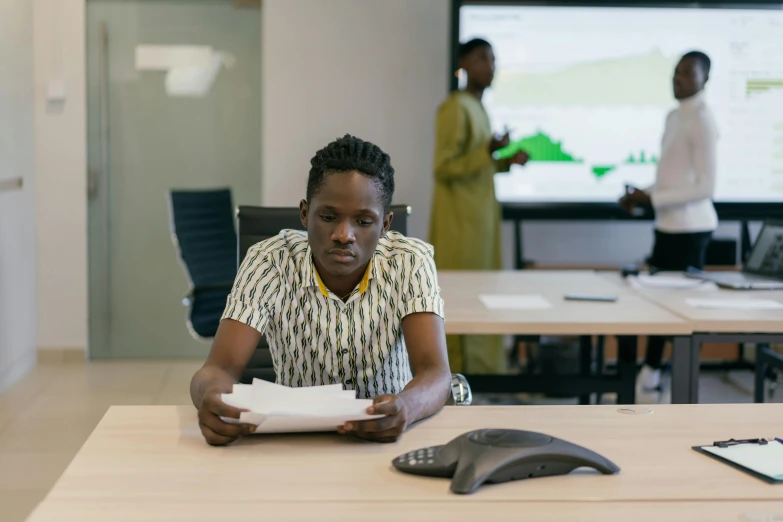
(515, 302)
(735, 304)
(766, 459)
(281, 409)
(671, 282)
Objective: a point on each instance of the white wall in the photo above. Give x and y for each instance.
(61, 171)
(377, 69)
(17, 207)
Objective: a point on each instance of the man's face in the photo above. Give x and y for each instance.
(344, 221)
(480, 66)
(689, 78)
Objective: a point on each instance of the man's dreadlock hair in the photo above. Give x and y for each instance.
(351, 153)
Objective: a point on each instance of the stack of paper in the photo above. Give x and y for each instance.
(280, 409)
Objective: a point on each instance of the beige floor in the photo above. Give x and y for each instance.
(47, 416)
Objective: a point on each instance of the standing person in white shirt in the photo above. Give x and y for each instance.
(685, 217)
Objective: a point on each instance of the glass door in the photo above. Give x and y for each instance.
(173, 103)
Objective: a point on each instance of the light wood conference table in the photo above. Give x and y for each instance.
(631, 315)
(150, 463)
(713, 325)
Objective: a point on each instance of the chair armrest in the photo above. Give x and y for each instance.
(187, 301)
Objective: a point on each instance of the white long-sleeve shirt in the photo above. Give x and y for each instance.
(685, 180)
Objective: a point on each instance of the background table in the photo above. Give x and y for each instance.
(151, 463)
(631, 315)
(710, 325)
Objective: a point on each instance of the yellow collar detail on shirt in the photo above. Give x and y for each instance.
(363, 284)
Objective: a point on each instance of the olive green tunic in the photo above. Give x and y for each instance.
(465, 222)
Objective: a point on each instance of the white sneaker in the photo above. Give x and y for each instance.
(648, 386)
(648, 396)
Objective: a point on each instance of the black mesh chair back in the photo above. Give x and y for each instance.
(202, 229)
(259, 223)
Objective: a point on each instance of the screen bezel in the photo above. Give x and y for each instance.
(555, 211)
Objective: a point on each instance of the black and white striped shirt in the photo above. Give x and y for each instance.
(315, 338)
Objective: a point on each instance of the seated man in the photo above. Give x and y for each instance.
(346, 302)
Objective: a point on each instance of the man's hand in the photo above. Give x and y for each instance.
(634, 198)
(499, 143)
(626, 204)
(520, 158)
(216, 431)
(232, 348)
(385, 429)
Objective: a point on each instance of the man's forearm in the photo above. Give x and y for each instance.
(426, 394)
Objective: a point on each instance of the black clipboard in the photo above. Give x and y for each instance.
(753, 473)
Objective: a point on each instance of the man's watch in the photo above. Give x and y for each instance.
(460, 390)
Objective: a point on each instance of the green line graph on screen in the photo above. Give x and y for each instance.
(640, 80)
(642, 158)
(540, 147)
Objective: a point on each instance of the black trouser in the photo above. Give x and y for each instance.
(674, 253)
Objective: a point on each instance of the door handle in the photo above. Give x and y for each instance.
(92, 183)
(7, 185)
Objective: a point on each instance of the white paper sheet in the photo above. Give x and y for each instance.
(735, 304)
(281, 409)
(274, 424)
(765, 459)
(672, 282)
(514, 302)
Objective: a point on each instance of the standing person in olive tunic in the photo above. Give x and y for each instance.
(465, 223)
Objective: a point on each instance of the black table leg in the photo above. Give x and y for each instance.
(599, 362)
(761, 374)
(585, 362)
(626, 368)
(685, 370)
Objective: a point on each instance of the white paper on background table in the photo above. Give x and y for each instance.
(514, 302)
(668, 281)
(281, 409)
(735, 304)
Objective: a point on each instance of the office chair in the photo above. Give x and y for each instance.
(259, 223)
(202, 230)
(768, 364)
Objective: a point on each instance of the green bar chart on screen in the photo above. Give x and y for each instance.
(754, 87)
(642, 159)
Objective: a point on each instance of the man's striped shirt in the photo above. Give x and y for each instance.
(315, 338)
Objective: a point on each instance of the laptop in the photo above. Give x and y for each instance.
(763, 269)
